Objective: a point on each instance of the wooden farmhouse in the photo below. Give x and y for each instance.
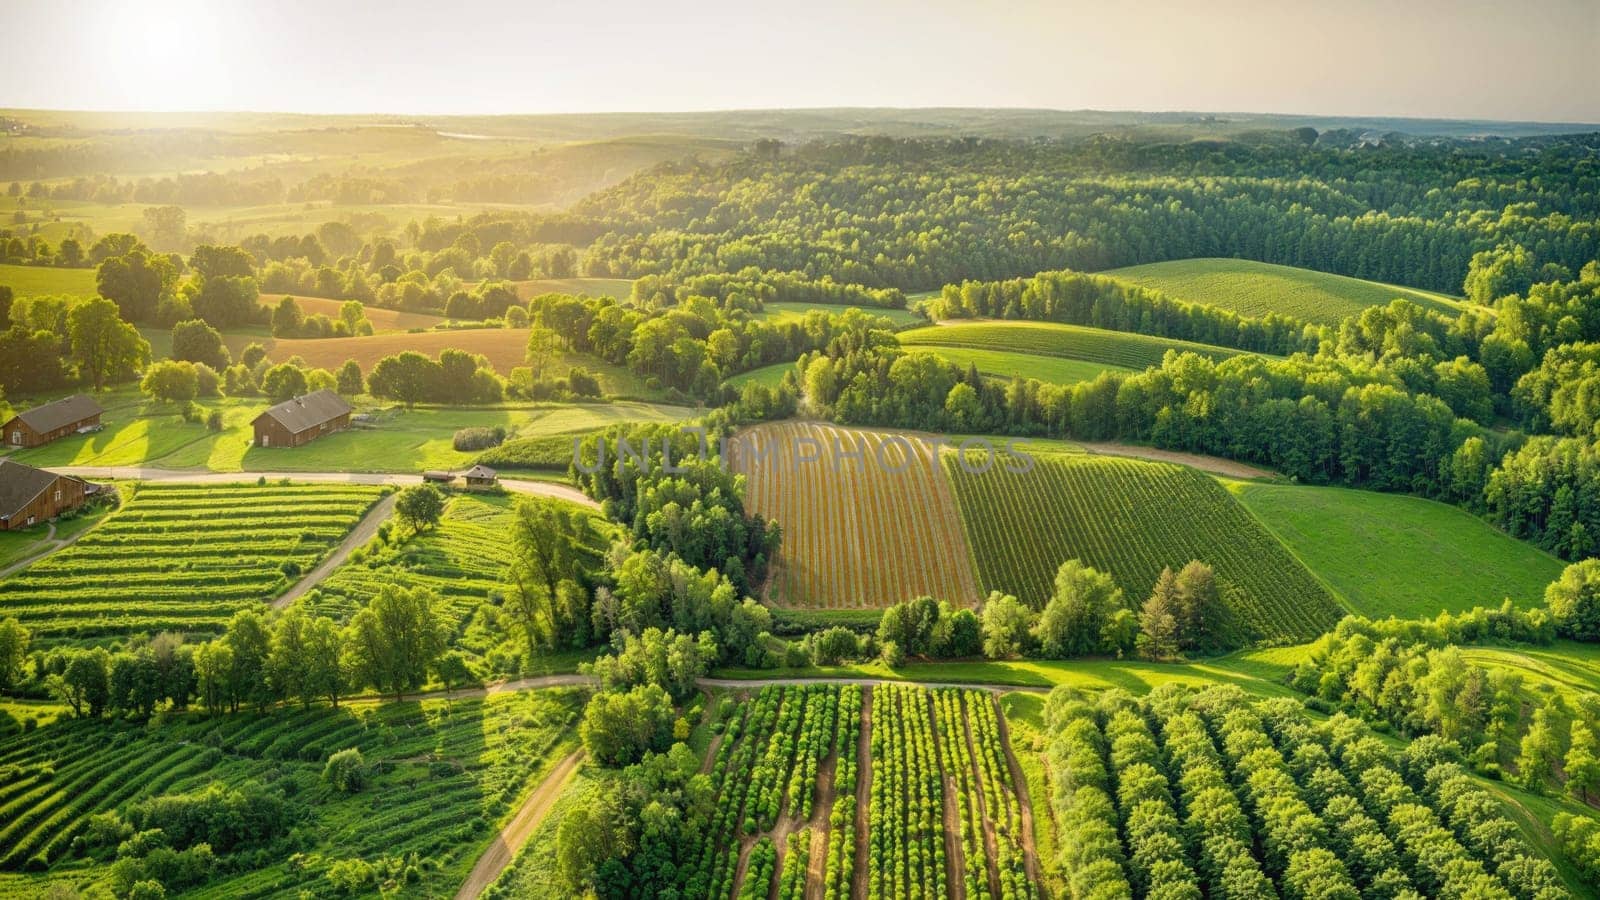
(29, 495)
(481, 476)
(302, 419)
(43, 424)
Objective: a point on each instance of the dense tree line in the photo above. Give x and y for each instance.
(921, 214)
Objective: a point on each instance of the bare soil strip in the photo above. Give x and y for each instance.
(522, 826)
(1212, 464)
(955, 861)
(817, 857)
(1019, 782)
(991, 847)
(861, 879)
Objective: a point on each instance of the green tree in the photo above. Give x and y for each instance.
(350, 382)
(287, 320)
(13, 652)
(171, 381)
(251, 642)
(1574, 601)
(1006, 625)
(1158, 620)
(1081, 614)
(283, 382)
(420, 506)
(135, 282)
(103, 344)
(1540, 750)
(407, 377)
(1583, 761)
(196, 341)
(393, 642)
(620, 727)
(213, 666)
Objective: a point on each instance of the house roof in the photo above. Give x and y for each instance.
(19, 484)
(65, 411)
(308, 411)
(479, 471)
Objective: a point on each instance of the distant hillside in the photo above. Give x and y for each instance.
(1254, 289)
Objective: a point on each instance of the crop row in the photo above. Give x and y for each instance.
(184, 556)
(855, 532)
(907, 797)
(1131, 519)
(1184, 795)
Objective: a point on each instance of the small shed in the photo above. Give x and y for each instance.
(481, 476)
(29, 495)
(299, 420)
(438, 477)
(46, 423)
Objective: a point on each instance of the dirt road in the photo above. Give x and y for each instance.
(363, 532)
(522, 826)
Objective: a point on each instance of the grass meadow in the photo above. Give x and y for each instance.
(1392, 554)
(1254, 289)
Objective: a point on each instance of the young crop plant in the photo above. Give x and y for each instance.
(183, 558)
(1132, 518)
(1217, 794)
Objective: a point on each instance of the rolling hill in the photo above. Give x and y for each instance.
(1391, 554)
(1254, 289)
(1095, 345)
(1131, 518)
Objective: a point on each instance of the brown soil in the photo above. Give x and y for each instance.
(955, 862)
(860, 881)
(1030, 851)
(817, 856)
(1212, 464)
(516, 832)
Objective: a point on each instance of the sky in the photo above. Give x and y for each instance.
(1529, 61)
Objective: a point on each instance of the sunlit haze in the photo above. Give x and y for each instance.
(1431, 58)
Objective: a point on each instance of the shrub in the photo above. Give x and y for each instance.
(345, 770)
(468, 439)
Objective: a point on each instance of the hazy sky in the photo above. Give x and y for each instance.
(1530, 60)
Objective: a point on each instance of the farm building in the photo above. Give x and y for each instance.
(301, 419)
(481, 476)
(29, 495)
(43, 424)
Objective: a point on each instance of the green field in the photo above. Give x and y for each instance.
(771, 376)
(1391, 554)
(1254, 289)
(442, 774)
(1094, 345)
(139, 433)
(620, 288)
(1131, 518)
(794, 312)
(1008, 365)
(33, 281)
(183, 557)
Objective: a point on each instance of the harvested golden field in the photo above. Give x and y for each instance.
(856, 532)
(381, 319)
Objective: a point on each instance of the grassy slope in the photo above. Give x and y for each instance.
(620, 288)
(1388, 554)
(1117, 348)
(1008, 365)
(399, 440)
(793, 312)
(771, 376)
(30, 281)
(1255, 289)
